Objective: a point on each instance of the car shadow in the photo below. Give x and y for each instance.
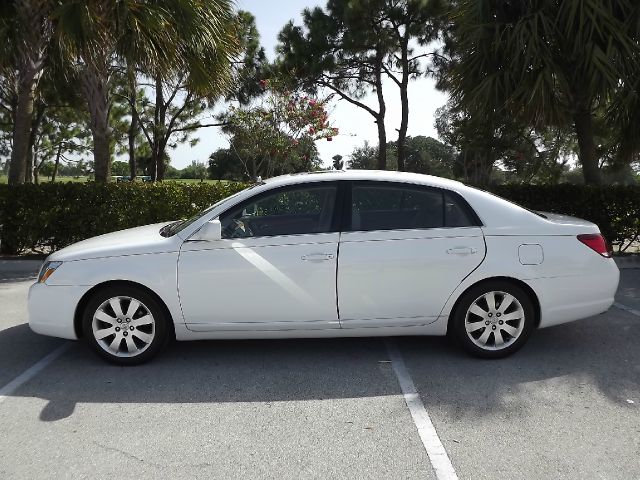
(628, 291)
(601, 351)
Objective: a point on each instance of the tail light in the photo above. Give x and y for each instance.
(597, 243)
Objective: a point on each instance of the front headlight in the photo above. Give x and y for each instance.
(47, 269)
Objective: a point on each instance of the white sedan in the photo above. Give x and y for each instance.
(340, 254)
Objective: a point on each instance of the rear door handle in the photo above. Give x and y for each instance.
(318, 257)
(462, 251)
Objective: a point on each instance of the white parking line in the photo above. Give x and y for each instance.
(31, 372)
(627, 309)
(432, 444)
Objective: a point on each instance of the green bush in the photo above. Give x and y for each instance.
(51, 216)
(615, 209)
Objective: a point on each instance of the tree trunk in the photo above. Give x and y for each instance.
(382, 111)
(57, 163)
(404, 103)
(161, 165)
(30, 51)
(22, 127)
(133, 131)
(589, 160)
(28, 171)
(32, 162)
(95, 83)
(36, 169)
(133, 127)
(159, 117)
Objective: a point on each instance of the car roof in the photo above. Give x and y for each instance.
(376, 175)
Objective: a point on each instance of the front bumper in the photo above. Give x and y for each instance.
(52, 309)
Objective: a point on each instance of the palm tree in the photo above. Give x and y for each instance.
(549, 62)
(164, 37)
(26, 30)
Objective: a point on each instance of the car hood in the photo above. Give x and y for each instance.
(133, 241)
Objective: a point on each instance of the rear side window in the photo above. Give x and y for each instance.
(382, 206)
(457, 212)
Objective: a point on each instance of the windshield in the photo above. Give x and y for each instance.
(179, 225)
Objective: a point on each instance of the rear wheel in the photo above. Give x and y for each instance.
(125, 325)
(494, 319)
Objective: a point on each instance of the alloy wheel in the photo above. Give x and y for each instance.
(495, 320)
(123, 326)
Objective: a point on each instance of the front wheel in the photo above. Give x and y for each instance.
(125, 325)
(494, 319)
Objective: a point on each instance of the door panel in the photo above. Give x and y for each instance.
(276, 283)
(403, 277)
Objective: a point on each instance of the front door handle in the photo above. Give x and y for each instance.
(318, 257)
(462, 251)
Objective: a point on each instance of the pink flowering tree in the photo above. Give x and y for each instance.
(278, 134)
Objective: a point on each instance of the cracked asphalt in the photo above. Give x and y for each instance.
(566, 406)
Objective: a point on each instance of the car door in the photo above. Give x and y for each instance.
(404, 250)
(273, 269)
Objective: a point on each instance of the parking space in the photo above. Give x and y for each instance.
(566, 406)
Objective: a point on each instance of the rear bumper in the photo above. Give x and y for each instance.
(565, 299)
(52, 309)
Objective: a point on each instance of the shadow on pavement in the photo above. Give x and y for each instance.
(20, 348)
(218, 371)
(602, 351)
(628, 291)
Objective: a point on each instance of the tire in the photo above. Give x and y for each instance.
(132, 336)
(493, 332)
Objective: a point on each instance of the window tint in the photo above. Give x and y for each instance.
(382, 206)
(390, 207)
(306, 209)
(457, 212)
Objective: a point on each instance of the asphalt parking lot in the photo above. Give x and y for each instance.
(566, 406)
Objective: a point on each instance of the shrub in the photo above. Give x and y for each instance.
(615, 209)
(51, 216)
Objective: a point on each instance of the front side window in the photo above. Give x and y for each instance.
(405, 207)
(303, 210)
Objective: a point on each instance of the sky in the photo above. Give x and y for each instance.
(356, 126)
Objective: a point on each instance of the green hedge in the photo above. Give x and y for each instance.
(615, 209)
(51, 216)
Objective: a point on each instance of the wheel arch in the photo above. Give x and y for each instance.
(519, 283)
(82, 304)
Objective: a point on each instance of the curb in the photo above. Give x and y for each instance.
(19, 266)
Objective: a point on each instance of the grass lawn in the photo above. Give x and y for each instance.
(3, 179)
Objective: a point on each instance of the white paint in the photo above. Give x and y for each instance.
(432, 444)
(627, 309)
(260, 282)
(384, 279)
(31, 372)
(388, 278)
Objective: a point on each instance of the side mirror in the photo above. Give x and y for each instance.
(210, 231)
